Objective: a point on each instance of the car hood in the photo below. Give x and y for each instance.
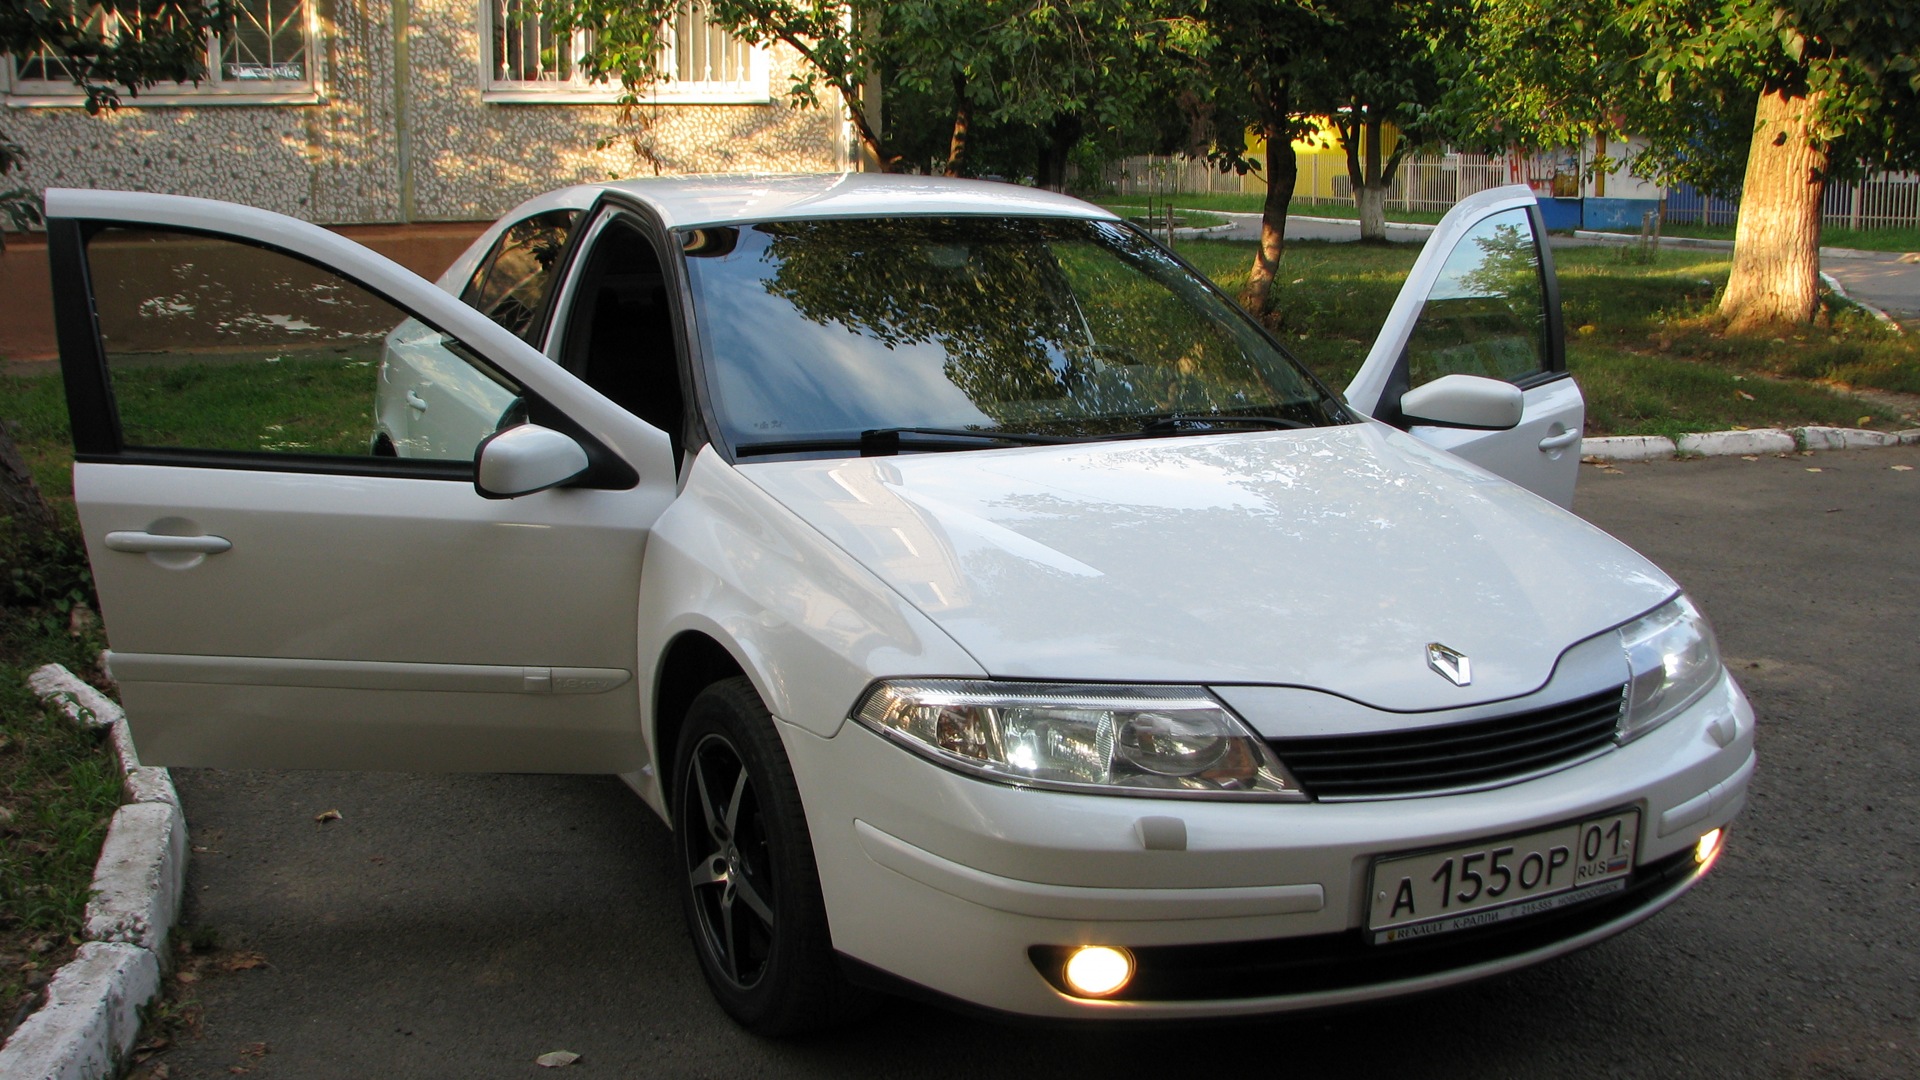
(1325, 558)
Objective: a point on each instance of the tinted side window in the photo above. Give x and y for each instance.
(217, 345)
(511, 285)
(1487, 313)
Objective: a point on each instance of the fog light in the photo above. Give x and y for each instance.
(1098, 970)
(1707, 848)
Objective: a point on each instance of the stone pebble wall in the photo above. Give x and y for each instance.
(339, 162)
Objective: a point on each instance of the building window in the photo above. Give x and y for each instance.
(266, 56)
(527, 62)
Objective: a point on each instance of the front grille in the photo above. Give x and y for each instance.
(1477, 754)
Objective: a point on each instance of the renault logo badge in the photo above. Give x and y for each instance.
(1450, 662)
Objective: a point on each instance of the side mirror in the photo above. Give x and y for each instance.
(1465, 401)
(521, 460)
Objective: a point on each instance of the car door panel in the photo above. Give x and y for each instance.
(1539, 455)
(1482, 299)
(355, 611)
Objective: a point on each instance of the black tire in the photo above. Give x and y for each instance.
(748, 882)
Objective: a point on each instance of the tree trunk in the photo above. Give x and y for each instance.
(1372, 203)
(1059, 137)
(1282, 170)
(962, 126)
(1370, 193)
(1776, 245)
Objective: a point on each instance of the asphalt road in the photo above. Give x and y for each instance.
(463, 925)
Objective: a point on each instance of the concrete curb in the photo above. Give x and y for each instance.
(1730, 443)
(91, 1017)
(1840, 291)
(1409, 226)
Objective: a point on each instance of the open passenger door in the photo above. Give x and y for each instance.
(1482, 301)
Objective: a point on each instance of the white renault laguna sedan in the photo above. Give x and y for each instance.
(993, 610)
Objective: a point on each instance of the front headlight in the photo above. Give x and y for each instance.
(1671, 659)
(1170, 742)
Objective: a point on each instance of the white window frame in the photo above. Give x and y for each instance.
(215, 89)
(751, 90)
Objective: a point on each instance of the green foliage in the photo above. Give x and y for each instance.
(1684, 76)
(1858, 59)
(1387, 63)
(1007, 67)
(831, 36)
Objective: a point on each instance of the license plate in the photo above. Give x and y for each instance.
(1492, 881)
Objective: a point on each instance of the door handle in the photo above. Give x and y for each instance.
(156, 542)
(1564, 439)
(415, 401)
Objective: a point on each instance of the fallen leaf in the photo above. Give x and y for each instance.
(1833, 509)
(188, 976)
(255, 1050)
(330, 815)
(1901, 468)
(556, 1059)
(1810, 469)
(244, 961)
(1749, 457)
(1744, 395)
(1866, 421)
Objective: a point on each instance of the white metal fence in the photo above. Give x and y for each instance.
(1435, 182)
(1431, 182)
(1887, 201)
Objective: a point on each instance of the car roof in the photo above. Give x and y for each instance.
(690, 201)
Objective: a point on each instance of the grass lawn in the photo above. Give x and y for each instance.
(1641, 338)
(59, 784)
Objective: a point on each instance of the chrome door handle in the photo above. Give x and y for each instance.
(150, 542)
(414, 400)
(1564, 439)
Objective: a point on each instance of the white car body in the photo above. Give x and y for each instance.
(376, 618)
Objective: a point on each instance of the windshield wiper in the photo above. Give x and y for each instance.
(881, 442)
(1179, 424)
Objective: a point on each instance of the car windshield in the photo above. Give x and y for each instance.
(874, 335)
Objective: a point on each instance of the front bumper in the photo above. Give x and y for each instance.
(971, 889)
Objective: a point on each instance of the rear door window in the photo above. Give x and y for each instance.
(513, 283)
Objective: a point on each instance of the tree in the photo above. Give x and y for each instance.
(1772, 98)
(1251, 76)
(1838, 88)
(1385, 66)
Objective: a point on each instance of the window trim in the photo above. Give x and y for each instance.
(752, 91)
(21, 93)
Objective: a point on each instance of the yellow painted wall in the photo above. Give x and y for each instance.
(1320, 156)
